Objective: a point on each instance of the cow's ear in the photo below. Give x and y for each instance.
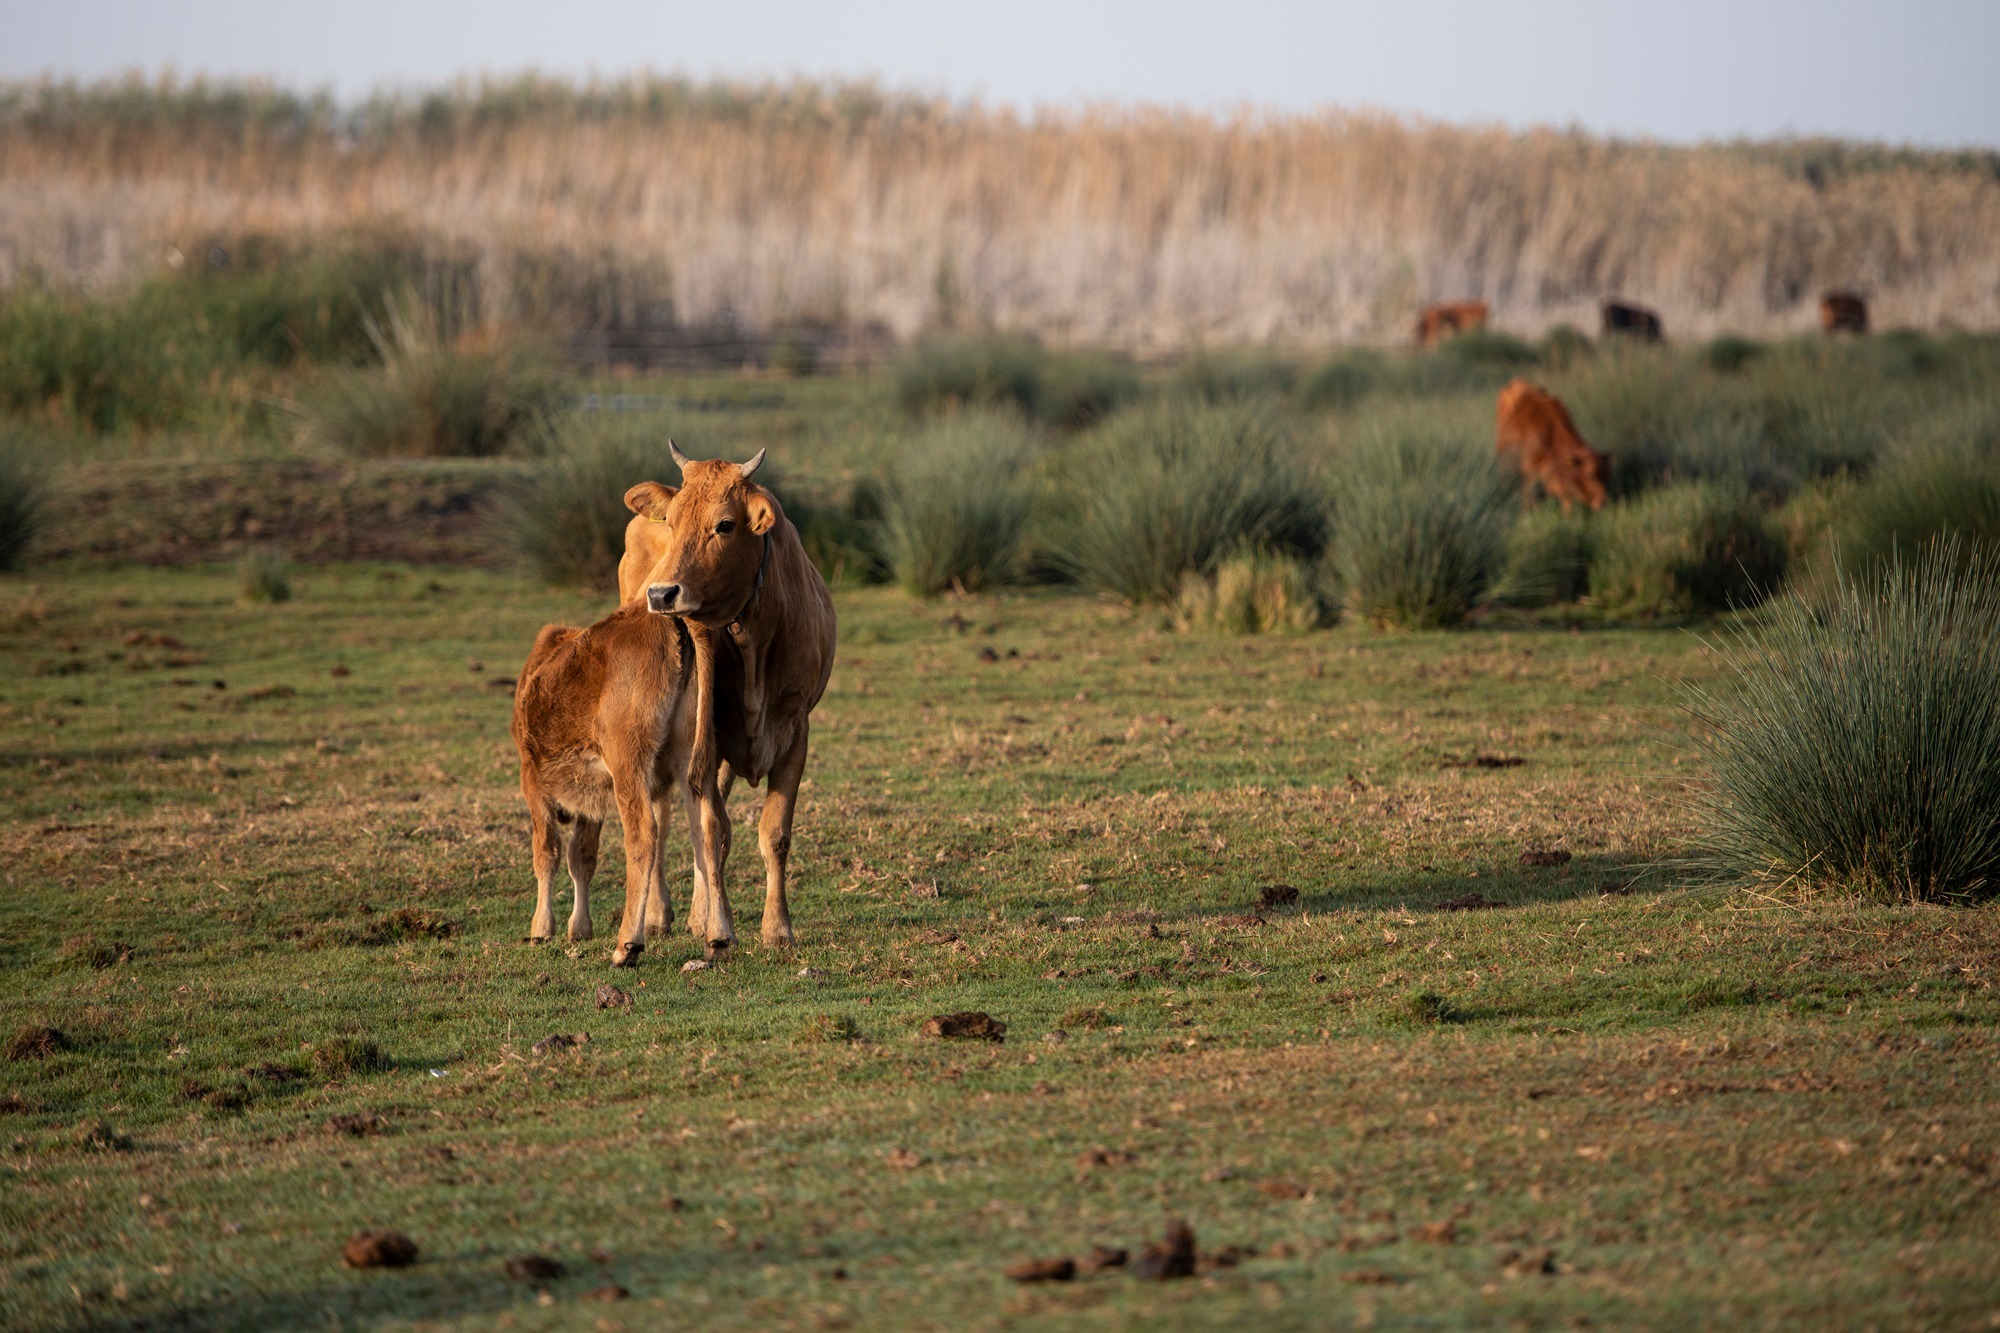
(763, 509)
(650, 498)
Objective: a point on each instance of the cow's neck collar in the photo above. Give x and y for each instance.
(737, 630)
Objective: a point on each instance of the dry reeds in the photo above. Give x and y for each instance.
(1136, 228)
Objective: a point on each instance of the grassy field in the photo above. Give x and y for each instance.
(245, 843)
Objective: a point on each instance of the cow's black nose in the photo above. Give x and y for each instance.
(662, 596)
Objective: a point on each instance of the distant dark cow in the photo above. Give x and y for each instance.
(1843, 312)
(1441, 321)
(1534, 429)
(1631, 321)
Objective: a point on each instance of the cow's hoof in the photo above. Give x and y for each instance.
(779, 939)
(537, 939)
(578, 934)
(717, 949)
(626, 955)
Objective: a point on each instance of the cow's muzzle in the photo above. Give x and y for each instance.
(663, 598)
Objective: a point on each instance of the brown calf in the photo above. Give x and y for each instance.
(1441, 321)
(1534, 429)
(1843, 312)
(719, 551)
(609, 718)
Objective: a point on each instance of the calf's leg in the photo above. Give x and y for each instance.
(642, 868)
(582, 866)
(545, 843)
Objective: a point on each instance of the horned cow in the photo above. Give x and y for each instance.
(1534, 429)
(719, 552)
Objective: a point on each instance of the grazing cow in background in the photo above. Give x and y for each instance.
(1632, 321)
(1441, 321)
(1534, 429)
(1843, 312)
(610, 718)
(719, 552)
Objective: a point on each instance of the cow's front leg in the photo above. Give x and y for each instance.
(774, 840)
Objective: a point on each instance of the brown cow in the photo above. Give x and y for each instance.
(609, 718)
(1534, 428)
(1441, 321)
(1843, 312)
(720, 552)
(1632, 321)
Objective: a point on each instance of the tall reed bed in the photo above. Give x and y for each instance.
(1139, 227)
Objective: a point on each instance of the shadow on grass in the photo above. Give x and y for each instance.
(1509, 884)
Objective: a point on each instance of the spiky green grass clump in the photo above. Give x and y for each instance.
(1860, 749)
(1548, 558)
(1161, 492)
(1420, 521)
(1685, 550)
(955, 505)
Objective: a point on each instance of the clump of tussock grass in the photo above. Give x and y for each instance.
(1343, 381)
(1170, 489)
(956, 372)
(1637, 404)
(955, 505)
(1223, 377)
(1430, 1009)
(567, 517)
(1488, 348)
(1082, 388)
(1421, 515)
(1687, 549)
(341, 1056)
(1255, 592)
(1921, 496)
(1730, 353)
(1859, 748)
(263, 575)
(1547, 560)
(1563, 346)
(433, 395)
(23, 500)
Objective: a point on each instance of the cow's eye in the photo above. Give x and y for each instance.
(725, 527)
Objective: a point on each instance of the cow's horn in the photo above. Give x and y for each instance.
(752, 465)
(681, 460)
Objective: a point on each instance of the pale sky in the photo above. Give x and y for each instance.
(1915, 71)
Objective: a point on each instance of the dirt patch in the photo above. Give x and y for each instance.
(1043, 1270)
(1103, 1257)
(1282, 1189)
(36, 1043)
(606, 1294)
(405, 923)
(1174, 1256)
(379, 1249)
(536, 1268)
(356, 1125)
(1098, 1157)
(1528, 1263)
(558, 1042)
(1545, 856)
(1471, 902)
(155, 513)
(1370, 1277)
(969, 1025)
(1436, 1233)
(611, 997)
(1277, 895)
(937, 937)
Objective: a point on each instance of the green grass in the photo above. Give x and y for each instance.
(1712, 1109)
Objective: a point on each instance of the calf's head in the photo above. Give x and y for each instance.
(704, 558)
